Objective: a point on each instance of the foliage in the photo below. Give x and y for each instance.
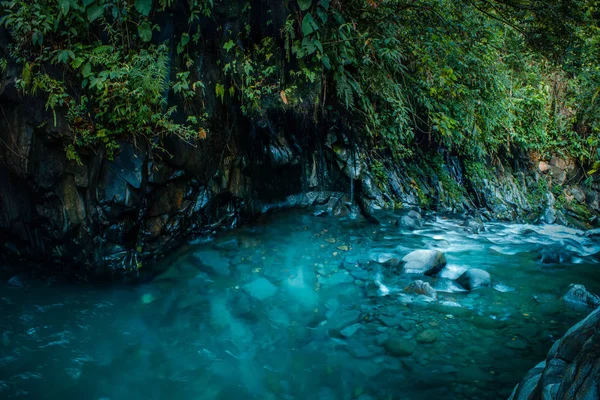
(480, 78)
(116, 81)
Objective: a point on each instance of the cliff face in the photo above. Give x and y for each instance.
(115, 216)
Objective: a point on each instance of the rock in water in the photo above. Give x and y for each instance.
(399, 347)
(260, 289)
(350, 330)
(571, 370)
(593, 233)
(578, 294)
(427, 336)
(423, 288)
(407, 222)
(426, 262)
(474, 278)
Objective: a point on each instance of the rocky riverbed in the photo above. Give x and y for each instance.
(297, 306)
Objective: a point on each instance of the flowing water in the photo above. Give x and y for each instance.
(299, 307)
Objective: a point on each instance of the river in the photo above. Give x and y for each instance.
(296, 306)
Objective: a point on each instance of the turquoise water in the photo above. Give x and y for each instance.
(297, 307)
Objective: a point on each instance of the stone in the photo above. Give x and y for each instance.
(426, 262)
(550, 215)
(415, 215)
(399, 347)
(593, 233)
(517, 344)
(578, 294)
(16, 281)
(421, 288)
(350, 330)
(407, 222)
(212, 261)
(474, 278)
(543, 166)
(260, 289)
(571, 367)
(427, 336)
(578, 194)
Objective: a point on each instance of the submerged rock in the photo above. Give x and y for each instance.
(571, 370)
(427, 336)
(408, 222)
(578, 294)
(426, 262)
(260, 289)
(422, 288)
(474, 278)
(399, 347)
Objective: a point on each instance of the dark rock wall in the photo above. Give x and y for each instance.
(572, 368)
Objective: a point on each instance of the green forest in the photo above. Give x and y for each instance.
(478, 77)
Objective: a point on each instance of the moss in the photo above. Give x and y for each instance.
(536, 197)
(477, 172)
(379, 174)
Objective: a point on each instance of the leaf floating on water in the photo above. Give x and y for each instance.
(330, 240)
(343, 248)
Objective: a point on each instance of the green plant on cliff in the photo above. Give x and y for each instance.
(114, 87)
(480, 78)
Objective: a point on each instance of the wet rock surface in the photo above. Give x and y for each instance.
(474, 278)
(571, 369)
(426, 262)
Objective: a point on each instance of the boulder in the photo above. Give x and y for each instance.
(426, 262)
(571, 370)
(421, 288)
(407, 222)
(474, 278)
(578, 294)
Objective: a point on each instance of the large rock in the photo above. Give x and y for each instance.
(408, 222)
(474, 278)
(426, 262)
(572, 368)
(578, 294)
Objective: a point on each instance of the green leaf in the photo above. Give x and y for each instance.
(145, 31)
(94, 12)
(325, 61)
(65, 5)
(77, 62)
(309, 45)
(308, 25)
(86, 70)
(143, 6)
(102, 49)
(185, 39)
(304, 4)
(37, 38)
(322, 14)
(88, 2)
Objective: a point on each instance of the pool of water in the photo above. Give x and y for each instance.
(300, 307)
